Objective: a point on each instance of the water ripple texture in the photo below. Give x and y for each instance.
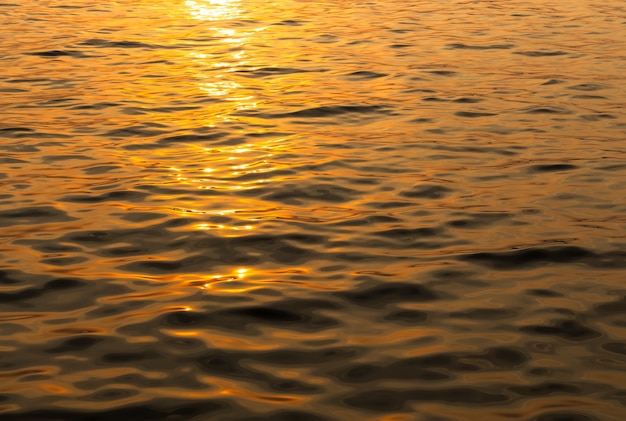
(240, 210)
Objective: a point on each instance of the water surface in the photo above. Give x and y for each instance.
(312, 210)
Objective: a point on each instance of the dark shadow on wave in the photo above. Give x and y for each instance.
(170, 411)
(531, 257)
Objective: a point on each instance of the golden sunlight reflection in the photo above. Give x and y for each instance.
(222, 83)
(228, 283)
(227, 168)
(213, 10)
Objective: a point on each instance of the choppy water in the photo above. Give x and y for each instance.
(312, 210)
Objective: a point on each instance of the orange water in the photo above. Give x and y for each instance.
(312, 210)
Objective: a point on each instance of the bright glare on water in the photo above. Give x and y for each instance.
(330, 210)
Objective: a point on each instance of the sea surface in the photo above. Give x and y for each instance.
(329, 210)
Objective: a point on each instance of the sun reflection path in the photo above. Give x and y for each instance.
(213, 10)
(225, 56)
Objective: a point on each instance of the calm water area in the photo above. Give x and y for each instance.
(325, 210)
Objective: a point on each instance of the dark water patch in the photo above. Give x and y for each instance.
(459, 46)
(471, 114)
(7, 131)
(108, 310)
(519, 259)
(538, 292)
(419, 90)
(456, 277)
(296, 194)
(29, 80)
(133, 131)
(381, 295)
(110, 394)
(101, 169)
(390, 205)
(566, 254)
(12, 161)
(33, 215)
(270, 71)
(367, 220)
(159, 410)
(102, 43)
(466, 100)
(171, 109)
(59, 53)
(552, 168)
(11, 277)
(64, 261)
(547, 110)
(615, 347)
(363, 373)
(612, 308)
(598, 117)
(407, 316)
(78, 343)
(129, 357)
(570, 330)
(434, 99)
(12, 90)
(479, 220)
(325, 39)
(427, 191)
(287, 415)
(409, 234)
(541, 53)
(439, 366)
(269, 134)
(446, 73)
(50, 287)
(484, 314)
(327, 111)
(289, 316)
(553, 82)
(310, 358)
(385, 400)
(56, 158)
(511, 151)
(289, 22)
(422, 120)
(142, 216)
(69, 7)
(588, 97)
(615, 167)
(551, 415)
(204, 251)
(28, 134)
(191, 138)
(119, 195)
(364, 75)
(589, 87)
(552, 388)
(294, 314)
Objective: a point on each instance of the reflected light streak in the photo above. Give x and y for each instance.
(213, 10)
(219, 84)
(229, 284)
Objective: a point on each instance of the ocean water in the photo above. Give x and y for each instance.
(322, 210)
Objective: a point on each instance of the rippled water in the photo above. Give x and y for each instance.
(312, 210)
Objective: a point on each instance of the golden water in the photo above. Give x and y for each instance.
(312, 210)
